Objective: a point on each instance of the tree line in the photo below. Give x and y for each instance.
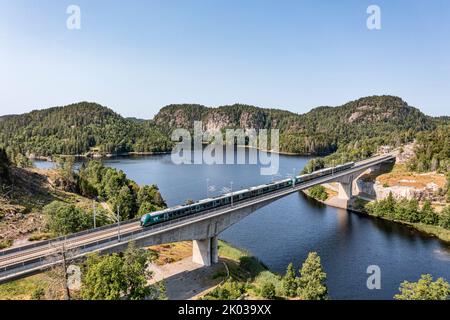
(78, 129)
(409, 211)
(102, 184)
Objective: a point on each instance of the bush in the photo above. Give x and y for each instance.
(424, 289)
(5, 244)
(444, 218)
(38, 294)
(230, 290)
(318, 192)
(268, 291)
(62, 218)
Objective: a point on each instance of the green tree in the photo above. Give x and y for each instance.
(311, 284)
(126, 202)
(150, 194)
(104, 278)
(135, 270)
(289, 282)
(147, 207)
(65, 170)
(444, 218)
(115, 276)
(424, 289)
(62, 218)
(318, 192)
(4, 166)
(428, 214)
(268, 290)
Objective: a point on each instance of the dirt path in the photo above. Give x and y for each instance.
(185, 279)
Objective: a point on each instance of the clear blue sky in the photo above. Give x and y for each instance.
(137, 56)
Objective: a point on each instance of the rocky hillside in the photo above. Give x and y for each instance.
(90, 128)
(319, 131)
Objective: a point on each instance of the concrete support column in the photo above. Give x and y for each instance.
(345, 190)
(201, 252)
(205, 252)
(214, 250)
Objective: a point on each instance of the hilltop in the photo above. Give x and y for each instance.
(89, 128)
(319, 131)
(79, 129)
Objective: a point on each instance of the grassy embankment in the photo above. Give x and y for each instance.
(244, 271)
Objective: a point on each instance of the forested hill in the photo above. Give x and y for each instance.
(78, 129)
(88, 127)
(374, 120)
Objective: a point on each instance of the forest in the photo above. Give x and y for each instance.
(78, 129)
(345, 133)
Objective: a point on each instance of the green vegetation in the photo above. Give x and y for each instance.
(424, 218)
(311, 284)
(111, 185)
(63, 218)
(432, 151)
(408, 211)
(94, 180)
(5, 244)
(229, 290)
(290, 282)
(24, 289)
(78, 129)
(4, 166)
(318, 192)
(115, 276)
(366, 122)
(424, 289)
(250, 278)
(354, 129)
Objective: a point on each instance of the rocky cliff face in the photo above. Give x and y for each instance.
(430, 191)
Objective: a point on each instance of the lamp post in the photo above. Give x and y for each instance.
(118, 223)
(293, 177)
(93, 207)
(231, 183)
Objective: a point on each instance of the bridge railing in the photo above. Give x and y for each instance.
(63, 238)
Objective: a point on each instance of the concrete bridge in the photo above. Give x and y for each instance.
(203, 228)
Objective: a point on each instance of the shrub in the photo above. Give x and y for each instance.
(318, 192)
(268, 291)
(444, 218)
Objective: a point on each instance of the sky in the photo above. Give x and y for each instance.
(138, 56)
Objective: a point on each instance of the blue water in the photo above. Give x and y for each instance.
(286, 230)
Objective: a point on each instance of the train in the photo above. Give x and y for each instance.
(238, 196)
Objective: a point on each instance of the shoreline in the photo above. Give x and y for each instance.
(152, 153)
(429, 230)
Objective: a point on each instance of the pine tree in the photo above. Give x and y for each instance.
(424, 289)
(311, 284)
(290, 281)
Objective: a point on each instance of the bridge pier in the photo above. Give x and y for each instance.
(205, 251)
(345, 190)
